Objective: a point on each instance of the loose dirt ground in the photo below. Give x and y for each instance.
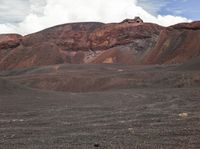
(162, 111)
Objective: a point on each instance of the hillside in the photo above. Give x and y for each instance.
(129, 42)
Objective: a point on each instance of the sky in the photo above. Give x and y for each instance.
(28, 16)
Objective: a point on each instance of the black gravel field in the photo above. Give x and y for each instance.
(154, 107)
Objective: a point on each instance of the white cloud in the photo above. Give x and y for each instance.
(47, 13)
(7, 28)
(37, 6)
(12, 11)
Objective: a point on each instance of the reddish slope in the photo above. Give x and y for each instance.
(128, 42)
(44, 54)
(176, 44)
(74, 36)
(84, 43)
(192, 26)
(8, 42)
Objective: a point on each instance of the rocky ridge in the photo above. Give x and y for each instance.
(130, 42)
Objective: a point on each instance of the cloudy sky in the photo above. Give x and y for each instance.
(28, 16)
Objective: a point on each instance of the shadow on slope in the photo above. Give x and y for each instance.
(92, 78)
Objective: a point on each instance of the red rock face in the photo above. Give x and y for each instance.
(128, 42)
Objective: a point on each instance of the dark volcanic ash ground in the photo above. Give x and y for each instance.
(159, 110)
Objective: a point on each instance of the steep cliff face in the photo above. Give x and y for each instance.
(128, 42)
